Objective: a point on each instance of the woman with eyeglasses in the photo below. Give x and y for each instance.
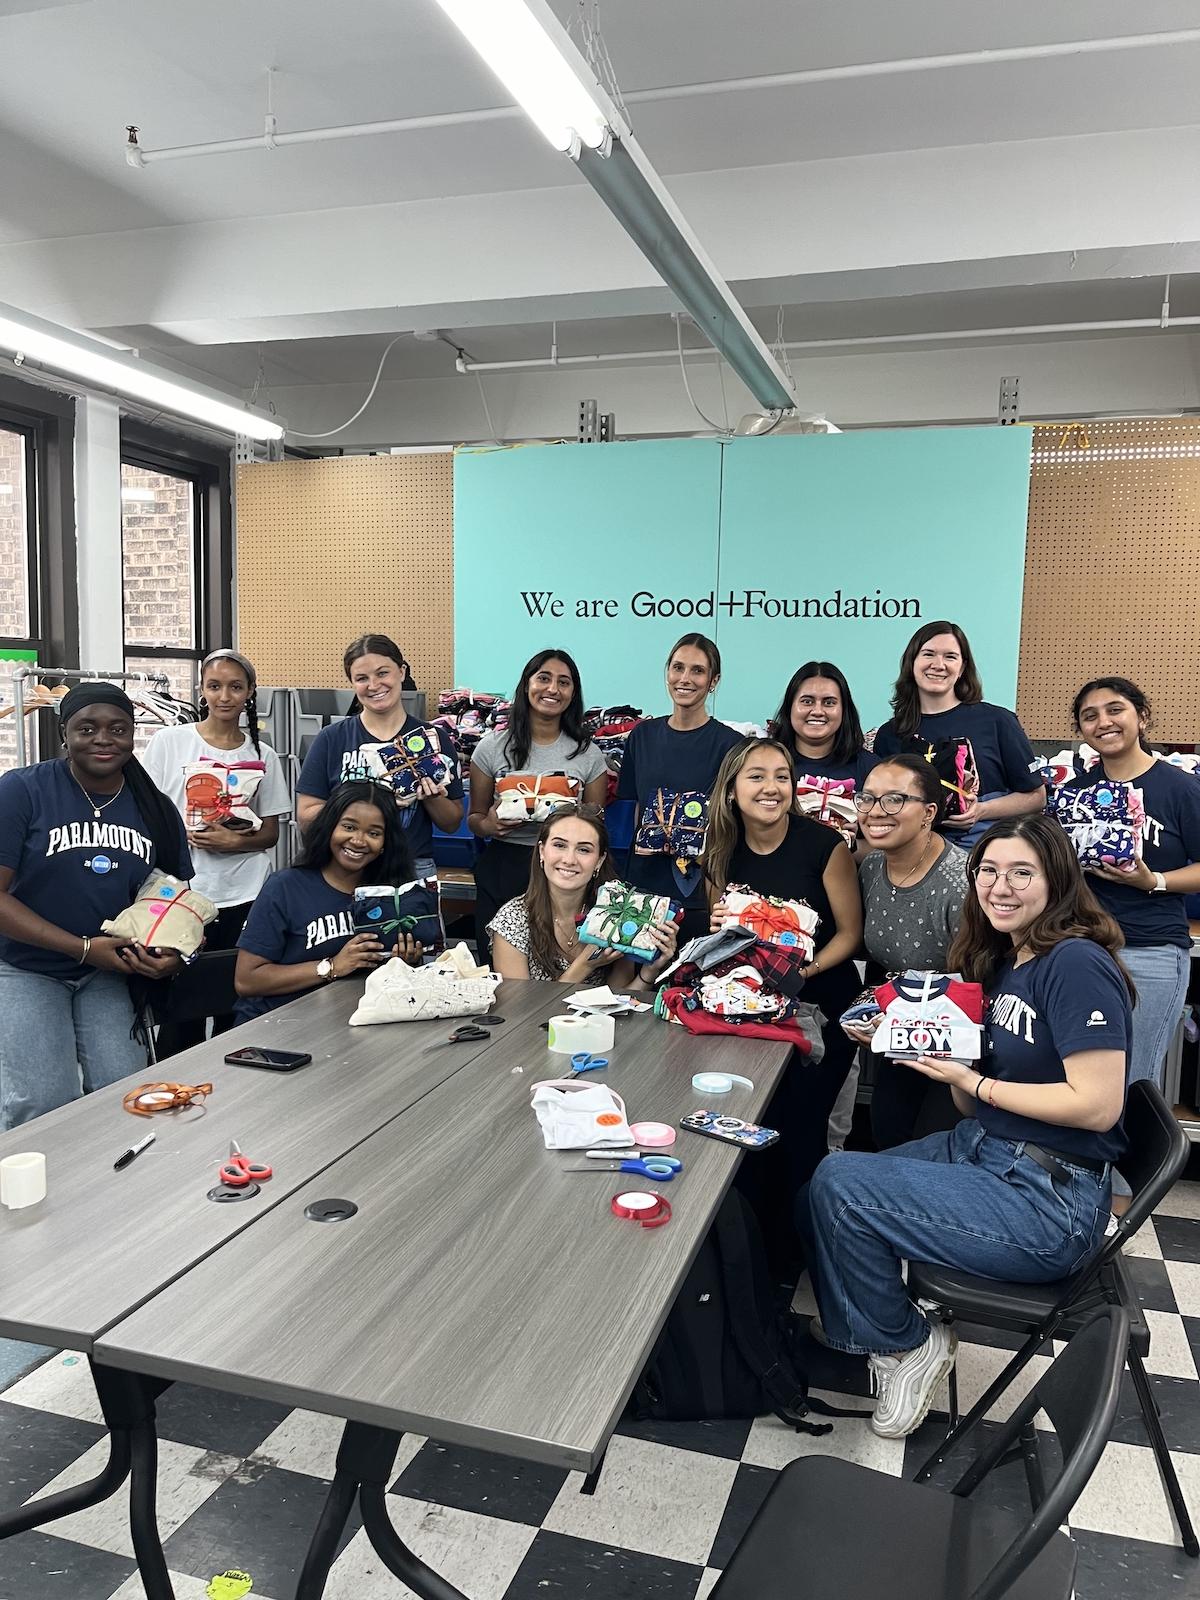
(300, 931)
(536, 935)
(913, 884)
(1020, 1189)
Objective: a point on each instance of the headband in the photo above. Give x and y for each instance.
(231, 655)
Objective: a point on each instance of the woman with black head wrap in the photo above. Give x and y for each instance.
(77, 838)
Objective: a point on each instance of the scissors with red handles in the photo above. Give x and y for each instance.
(239, 1170)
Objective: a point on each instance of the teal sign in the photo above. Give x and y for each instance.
(828, 546)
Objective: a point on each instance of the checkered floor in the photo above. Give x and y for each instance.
(241, 1483)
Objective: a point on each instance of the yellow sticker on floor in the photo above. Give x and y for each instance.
(230, 1585)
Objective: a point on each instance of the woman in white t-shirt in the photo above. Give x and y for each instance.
(232, 863)
(545, 734)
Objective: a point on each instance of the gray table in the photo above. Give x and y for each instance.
(102, 1242)
(482, 1294)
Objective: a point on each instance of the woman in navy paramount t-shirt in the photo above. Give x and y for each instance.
(819, 722)
(1021, 1188)
(938, 695)
(300, 931)
(1147, 902)
(77, 838)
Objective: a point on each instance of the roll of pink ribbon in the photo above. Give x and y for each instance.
(654, 1135)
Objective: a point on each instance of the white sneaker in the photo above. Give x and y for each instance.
(906, 1384)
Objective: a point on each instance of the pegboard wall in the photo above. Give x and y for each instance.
(1112, 571)
(330, 549)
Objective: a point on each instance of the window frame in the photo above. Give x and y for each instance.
(47, 421)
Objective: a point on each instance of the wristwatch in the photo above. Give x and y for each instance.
(325, 970)
(1160, 884)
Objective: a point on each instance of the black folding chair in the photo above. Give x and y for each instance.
(831, 1527)
(1158, 1152)
(203, 990)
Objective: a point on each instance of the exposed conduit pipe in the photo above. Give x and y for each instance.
(270, 139)
(868, 340)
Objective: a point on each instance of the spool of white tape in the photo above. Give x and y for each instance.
(719, 1082)
(569, 1034)
(23, 1179)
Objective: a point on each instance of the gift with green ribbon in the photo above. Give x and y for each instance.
(622, 918)
(390, 911)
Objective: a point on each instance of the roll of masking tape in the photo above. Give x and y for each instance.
(588, 1032)
(719, 1082)
(23, 1179)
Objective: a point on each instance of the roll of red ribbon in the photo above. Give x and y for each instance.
(648, 1209)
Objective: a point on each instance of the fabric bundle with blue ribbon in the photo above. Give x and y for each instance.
(391, 911)
(622, 917)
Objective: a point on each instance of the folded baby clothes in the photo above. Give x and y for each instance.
(391, 911)
(402, 763)
(1104, 821)
(166, 915)
(831, 801)
(622, 917)
(580, 1116)
(708, 952)
(863, 1011)
(740, 992)
(799, 1026)
(930, 1014)
(790, 923)
(217, 794)
(534, 796)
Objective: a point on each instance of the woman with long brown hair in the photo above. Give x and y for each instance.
(1021, 1188)
(536, 935)
(938, 695)
(758, 837)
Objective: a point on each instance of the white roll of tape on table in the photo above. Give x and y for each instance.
(719, 1082)
(588, 1032)
(23, 1179)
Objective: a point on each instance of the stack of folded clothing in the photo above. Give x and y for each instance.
(789, 924)
(921, 1014)
(609, 727)
(730, 982)
(468, 715)
(831, 801)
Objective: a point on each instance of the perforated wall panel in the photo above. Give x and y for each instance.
(330, 549)
(1112, 571)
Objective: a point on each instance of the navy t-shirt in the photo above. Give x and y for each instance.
(856, 768)
(334, 758)
(69, 867)
(1171, 798)
(1003, 755)
(1071, 999)
(658, 756)
(297, 917)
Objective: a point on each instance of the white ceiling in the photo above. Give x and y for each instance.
(74, 74)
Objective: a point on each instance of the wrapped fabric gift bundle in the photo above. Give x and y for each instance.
(391, 911)
(1104, 821)
(831, 801)
(954, 762)
(930, 1014)
(451, 986)
(166, 915)
(789, 923)
(797, 1023)
(534, 796)
(673, 825)
(622, 917)
(217, 794)
(403, 763)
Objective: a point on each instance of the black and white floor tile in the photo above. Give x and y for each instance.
(241, 1482)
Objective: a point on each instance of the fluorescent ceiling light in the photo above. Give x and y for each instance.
(78, 356)
(518, 40)
(138, 494)
(535, 58)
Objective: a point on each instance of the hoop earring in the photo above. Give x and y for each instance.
(203, 705)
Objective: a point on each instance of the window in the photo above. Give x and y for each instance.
(161, 527)
(18, 578)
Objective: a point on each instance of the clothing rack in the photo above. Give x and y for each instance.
(158, 680)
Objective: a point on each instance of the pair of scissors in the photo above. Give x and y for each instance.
(661, 1168)
(239, 1170)
(584, 1061)
(467, 1032)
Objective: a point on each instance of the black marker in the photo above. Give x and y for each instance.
(134, 1150)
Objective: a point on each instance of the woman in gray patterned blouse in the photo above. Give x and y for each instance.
(913, 884)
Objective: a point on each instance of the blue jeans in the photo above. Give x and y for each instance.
(60, 1037)
(1160, 975)
(961, 1199)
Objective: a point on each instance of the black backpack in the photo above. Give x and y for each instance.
(727, 1348)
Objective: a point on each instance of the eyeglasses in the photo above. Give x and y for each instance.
(890, 804)
(1015, 877)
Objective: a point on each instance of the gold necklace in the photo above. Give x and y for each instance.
(96, 810)
(911, 870)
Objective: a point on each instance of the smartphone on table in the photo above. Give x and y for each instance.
(272, 1060)
(732, 1130)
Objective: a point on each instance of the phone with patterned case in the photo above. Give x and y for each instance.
(731, 1130)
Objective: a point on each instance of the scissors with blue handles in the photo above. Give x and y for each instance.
(661, 1168)
(584, 1061)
